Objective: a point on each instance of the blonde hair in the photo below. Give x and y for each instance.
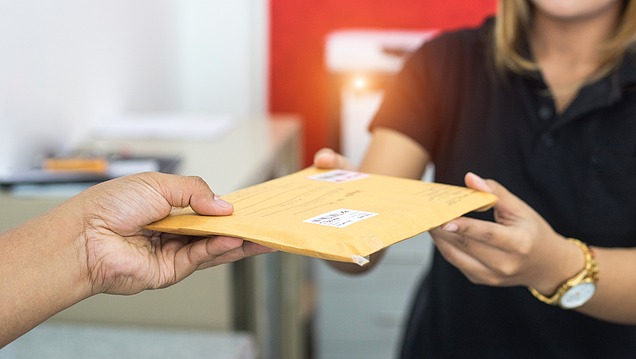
(514, 19)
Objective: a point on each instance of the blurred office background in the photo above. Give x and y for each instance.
(69, 66)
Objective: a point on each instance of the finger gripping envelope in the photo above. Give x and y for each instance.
(332, 214)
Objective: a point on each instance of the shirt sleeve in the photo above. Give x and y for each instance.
(414, 102)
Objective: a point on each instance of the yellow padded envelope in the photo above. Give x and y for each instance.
(332, 214)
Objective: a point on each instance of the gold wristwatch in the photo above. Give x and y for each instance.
(577, 290)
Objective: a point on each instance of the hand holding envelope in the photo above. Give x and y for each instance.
(332, 214)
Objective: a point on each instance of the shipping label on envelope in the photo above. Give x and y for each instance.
(332, 214)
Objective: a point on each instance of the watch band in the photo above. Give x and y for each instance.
(589, 273)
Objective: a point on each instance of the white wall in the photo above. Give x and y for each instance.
(65, 64)
(225, 46)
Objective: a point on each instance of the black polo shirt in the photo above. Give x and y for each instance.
(577, 169)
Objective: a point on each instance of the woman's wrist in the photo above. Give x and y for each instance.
(567, 260)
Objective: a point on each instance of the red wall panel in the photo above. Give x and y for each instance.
(298, 78)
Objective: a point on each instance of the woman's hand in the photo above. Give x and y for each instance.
(328, 159)
(124, 258)
(521, 248)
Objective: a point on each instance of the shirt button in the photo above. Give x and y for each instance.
(547, 140)
(545, 112)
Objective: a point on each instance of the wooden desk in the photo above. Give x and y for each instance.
(244, 296)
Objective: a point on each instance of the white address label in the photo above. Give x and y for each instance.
(340, 218)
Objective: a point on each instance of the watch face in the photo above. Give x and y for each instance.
(577, 295)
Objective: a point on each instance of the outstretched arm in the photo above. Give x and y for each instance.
(96, 243)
